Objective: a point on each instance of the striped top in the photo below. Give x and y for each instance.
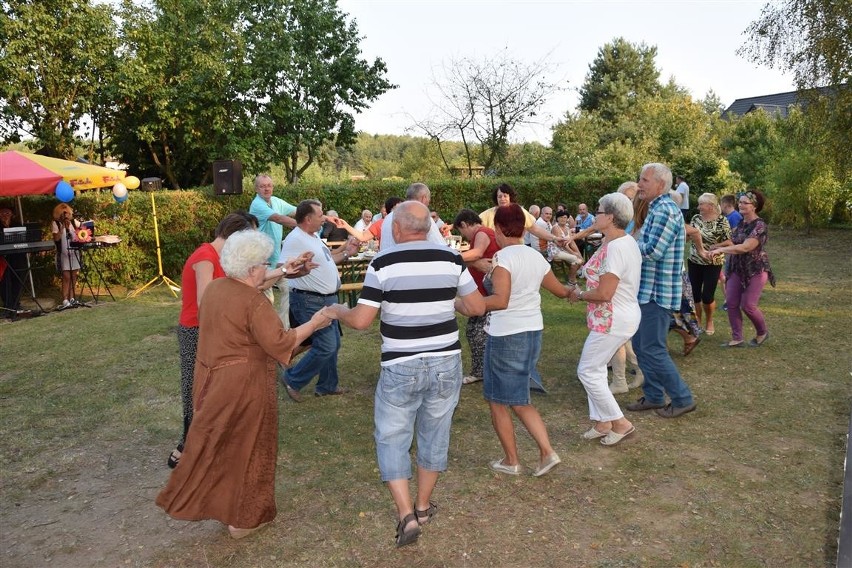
(415, 285)
(661, 241)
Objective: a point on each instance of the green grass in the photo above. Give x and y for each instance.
(753, 478)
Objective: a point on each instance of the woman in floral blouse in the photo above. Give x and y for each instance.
(612, 280)
(704, 271)
(749, 270)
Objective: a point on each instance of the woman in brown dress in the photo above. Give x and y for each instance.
(227, 471)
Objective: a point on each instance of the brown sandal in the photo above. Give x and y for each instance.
(404, 537)
(423, 517)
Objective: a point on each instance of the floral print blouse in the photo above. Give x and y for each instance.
(756, 260)
(598, 315)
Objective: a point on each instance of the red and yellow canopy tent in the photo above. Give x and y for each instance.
(29, 174)
(24, 174)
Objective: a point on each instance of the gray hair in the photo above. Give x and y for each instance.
(416, 191)
(260, 177)
(712, 200)
(619, 206)
(661, 172)
(412, 217)
(243, 250)
(676, 197)
(331, 213)
(629, 188)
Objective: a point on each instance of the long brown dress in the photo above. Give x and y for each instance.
(227, 470)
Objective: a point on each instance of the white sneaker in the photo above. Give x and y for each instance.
(470, 379)
(500, 467)
(64, 306)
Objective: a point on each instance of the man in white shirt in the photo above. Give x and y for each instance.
(415, 192)
(545, 222)
(308, 295)
(683, 190)
(529, 239)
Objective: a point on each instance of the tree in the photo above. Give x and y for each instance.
(307, 80)
(621, 74)
(753, 146)
(812, 39)
(177, 99)
(482, 102)
(54, 55)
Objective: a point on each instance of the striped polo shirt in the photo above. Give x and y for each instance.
(415, 285)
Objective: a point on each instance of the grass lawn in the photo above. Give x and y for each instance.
(90, 408)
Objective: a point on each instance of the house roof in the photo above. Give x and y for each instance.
(779, 103)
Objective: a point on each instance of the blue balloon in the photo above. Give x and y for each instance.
(64, 191)
(121, 199)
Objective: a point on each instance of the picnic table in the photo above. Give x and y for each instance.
(352, 271)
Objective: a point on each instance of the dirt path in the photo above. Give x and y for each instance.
(99, 512)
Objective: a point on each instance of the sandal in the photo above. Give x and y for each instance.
(402, 537)
(423, 517)
(175, 459)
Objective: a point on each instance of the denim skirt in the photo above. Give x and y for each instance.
(510, 361)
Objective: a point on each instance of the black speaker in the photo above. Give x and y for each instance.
(227, 177)
(150, 184)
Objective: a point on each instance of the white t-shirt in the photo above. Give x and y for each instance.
(361, 225)
(527, 268)
(323, 279)
(683, 190)
(387, 241)
(621, 315)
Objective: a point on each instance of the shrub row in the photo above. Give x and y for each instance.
(188, 218)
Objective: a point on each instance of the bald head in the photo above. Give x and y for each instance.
(411, 222)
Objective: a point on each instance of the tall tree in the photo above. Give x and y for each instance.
(54, 55)
(621, 74)
(813, 40)
(484, 101)
(308, 79)
(177, 94)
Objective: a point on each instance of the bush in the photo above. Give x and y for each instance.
(187, 218)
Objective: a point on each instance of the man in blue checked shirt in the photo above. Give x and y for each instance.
(661, 241)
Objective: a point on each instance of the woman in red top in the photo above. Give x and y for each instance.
(483, 245)
(200, 269)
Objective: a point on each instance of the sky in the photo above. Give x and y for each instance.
(696, 44)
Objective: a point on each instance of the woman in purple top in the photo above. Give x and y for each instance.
(749, 270)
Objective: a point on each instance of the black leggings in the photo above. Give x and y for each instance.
(704, 278)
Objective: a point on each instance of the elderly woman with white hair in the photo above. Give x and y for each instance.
(612, 280)
(227, 471)
(703, 269)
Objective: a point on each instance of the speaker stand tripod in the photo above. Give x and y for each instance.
(160, 278)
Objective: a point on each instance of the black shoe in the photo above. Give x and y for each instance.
(338, 390)
(674, 411)
(642, 404)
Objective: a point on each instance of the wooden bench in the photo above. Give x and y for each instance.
(349, 293)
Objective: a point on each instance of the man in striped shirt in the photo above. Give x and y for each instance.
(661, 241)
(418, 286)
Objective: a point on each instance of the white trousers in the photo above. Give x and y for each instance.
(591, 370)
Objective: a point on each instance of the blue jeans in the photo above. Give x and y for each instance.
(419, 394)
(661, 375)
(321, 358)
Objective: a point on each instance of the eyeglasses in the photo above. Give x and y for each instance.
(745, 202)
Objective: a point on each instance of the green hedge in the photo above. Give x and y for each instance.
(187, 218)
